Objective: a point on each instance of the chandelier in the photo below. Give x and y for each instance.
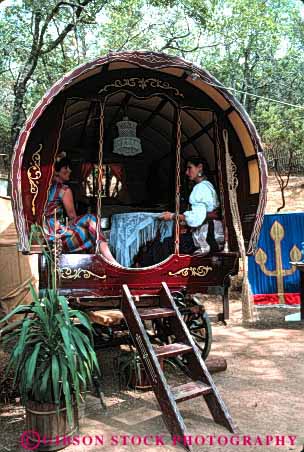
(127, 143)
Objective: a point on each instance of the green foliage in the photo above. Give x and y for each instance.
(53, 359)
(260, 52)
(282, 129)
(252, 46)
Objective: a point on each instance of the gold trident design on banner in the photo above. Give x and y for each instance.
(277, 234)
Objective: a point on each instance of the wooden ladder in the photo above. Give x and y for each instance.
(168, 397)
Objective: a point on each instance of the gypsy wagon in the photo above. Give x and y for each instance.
(180, 110)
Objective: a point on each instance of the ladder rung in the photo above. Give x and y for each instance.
(202, 384)
(190, 390)
(156, 313)
(165, 351)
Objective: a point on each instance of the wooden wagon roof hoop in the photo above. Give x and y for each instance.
(100, 174)
(163, 68)
(177, 178)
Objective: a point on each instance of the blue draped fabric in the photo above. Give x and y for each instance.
(281, 242)
(129, 231)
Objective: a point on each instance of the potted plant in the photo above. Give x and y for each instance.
(53, 361)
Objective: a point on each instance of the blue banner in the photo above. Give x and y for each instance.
(272, 277)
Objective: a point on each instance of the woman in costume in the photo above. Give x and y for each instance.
(80, 233)
(206, 231)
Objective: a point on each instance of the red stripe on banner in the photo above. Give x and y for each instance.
(273, 298)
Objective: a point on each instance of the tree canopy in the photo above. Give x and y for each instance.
(254, 47)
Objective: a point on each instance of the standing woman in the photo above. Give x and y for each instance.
(206, 231)
(80, 233)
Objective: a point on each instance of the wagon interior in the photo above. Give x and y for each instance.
(146, 180)
(143, 182)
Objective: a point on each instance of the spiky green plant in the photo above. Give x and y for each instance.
(53, 360)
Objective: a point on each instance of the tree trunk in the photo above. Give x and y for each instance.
(18, 118)
(283, 199)
(18, 115)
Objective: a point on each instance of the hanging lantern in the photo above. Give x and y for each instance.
(127, 143)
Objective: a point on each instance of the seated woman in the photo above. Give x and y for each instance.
(80, 233)
(206, 233)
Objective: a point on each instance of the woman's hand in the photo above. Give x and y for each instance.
(166, 216)
(71, 221)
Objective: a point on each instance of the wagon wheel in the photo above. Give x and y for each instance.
(196, 319)
(161, 327)
(200, 328)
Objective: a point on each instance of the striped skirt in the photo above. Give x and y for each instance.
(78, 237)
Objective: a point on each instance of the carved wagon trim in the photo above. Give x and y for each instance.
(142, 83)
(145, 357)
(34, 175)
(199, 271)
(78, 273)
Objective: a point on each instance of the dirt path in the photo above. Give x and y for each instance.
(293, 195)
(263, 388)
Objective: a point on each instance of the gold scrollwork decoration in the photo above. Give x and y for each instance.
(200, 271)
(141, 83)
(78, 273)
(34, 174)
(145, 357)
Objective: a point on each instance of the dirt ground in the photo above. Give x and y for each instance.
(294, 195)
(262, 386)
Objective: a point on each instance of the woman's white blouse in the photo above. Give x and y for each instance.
(203, 199)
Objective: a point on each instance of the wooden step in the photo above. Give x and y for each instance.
(135, 314)
(106, 317)
(156, 313)
(166, 351)
(190, 390)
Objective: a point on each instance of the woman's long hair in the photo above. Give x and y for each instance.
(62, 163)
(199, 161)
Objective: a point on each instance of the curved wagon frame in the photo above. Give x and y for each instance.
(181, 110)
(202, 109)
